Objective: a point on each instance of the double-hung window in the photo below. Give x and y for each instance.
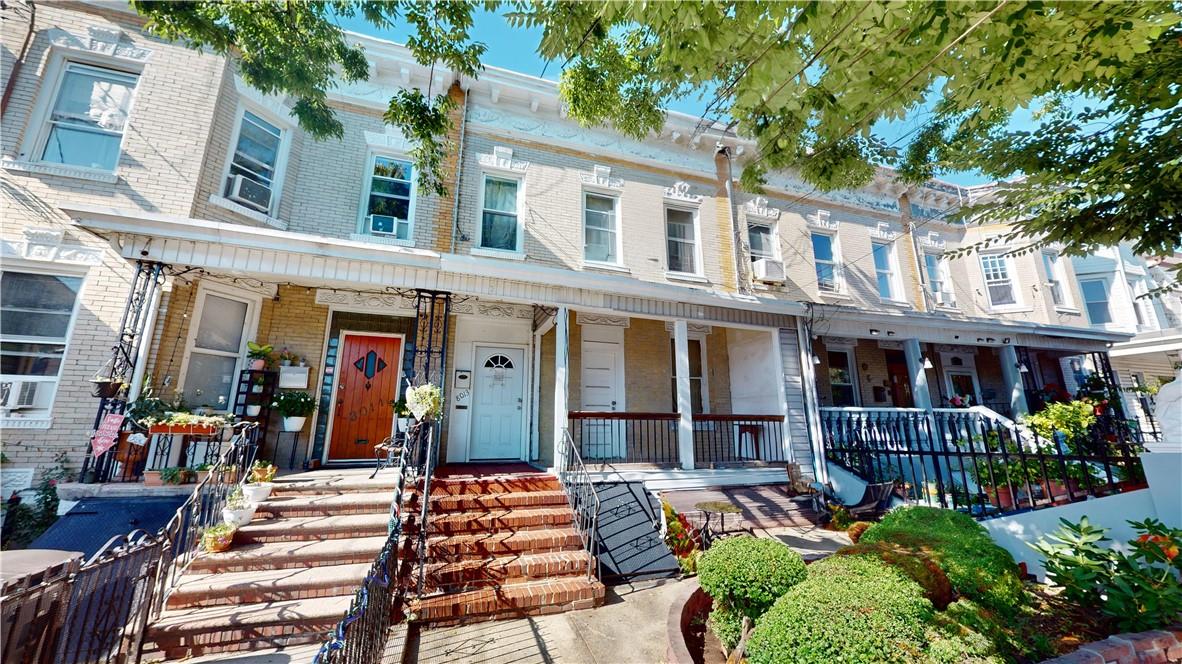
(681, 240)
(254, 163)
(842, 386)
(390, 201)
(884, 269)
(499, 217)
(1142, 309)
(36, 311)
(215, 347)
(698, 391)
(826, 261)
(88, 117)
(1052, 263)
(998, 281)
(936, 269)
(760, 237)
(1095, 297)
(601, 233)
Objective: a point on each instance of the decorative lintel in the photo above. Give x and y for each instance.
(680, 192)
(758, 207)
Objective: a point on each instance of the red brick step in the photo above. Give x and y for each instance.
(466, 574)
(509, 601)
(453, 548)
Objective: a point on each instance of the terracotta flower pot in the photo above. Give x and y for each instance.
(217, 544)
(152, 478)
(258, 365)
(182, 429)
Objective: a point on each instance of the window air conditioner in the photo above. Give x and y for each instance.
(769, 270)
(254, 195)
(944, 299)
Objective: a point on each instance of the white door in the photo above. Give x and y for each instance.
(498, 399)
(602, 381)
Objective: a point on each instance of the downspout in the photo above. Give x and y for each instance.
(455, 199)
(740, 256)
(20, 59)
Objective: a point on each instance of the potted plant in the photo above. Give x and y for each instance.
(217, 539)
(287, 358)
(253, 410)
(146, 408)
(238, 510)
(257, 385)
(202, 472)
(172, 475)
(402, 415)
(294, 408)
(152, 478)
(258, 483)
(107, 387)
(425, 402)
(186, 423)
(258, 354)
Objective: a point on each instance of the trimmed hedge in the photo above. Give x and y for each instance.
(748, 574)
(915, 564)
(727, 625)
(850, 609)
(977, 567)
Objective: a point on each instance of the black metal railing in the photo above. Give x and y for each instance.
(738, 438)
(360, 637)
(620, 437)
(978, 462)
(581, 496)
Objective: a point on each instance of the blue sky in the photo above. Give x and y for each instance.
(515, 49)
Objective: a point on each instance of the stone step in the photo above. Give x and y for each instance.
(495, 520)
(371, 502)
(442, 503)
(469, 574)
(309, 528)
(509, 601)
(289, 555)
(482, 546)
(297, 486)
(524, 482)
(193, 631)
(203, 590)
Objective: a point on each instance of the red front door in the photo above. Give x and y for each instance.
(367, 380)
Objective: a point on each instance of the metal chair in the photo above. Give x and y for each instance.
(386, 452)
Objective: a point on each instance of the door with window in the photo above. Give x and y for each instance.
(498, 403)
(602, 375)
(216, 347)
(899, 378)
(367, 375)
(842, 386)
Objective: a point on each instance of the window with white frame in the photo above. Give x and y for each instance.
(1095, 297)
(827, 263)
(761, 239)
(89, 114)
(939, 284)
(254, 163)
(36, 312)
(842, 386)
(601, 233)
(681, 240)
(1142, 308)
(884, 269)
(696, 347)
(500, 224)
(999, 283)
(1052, 264)
(215, 348)
(389, 200)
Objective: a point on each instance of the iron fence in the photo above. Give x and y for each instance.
(738, 438)
(581, 496)
(975, 461)
(619, 437)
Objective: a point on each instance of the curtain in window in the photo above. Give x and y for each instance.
(499, 224)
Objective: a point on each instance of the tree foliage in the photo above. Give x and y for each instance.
(807, 81)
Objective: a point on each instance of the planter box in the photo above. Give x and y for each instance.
(182, 429)
(152, 478)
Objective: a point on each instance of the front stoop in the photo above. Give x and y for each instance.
(501, 547)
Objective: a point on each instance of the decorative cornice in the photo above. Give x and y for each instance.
(583, 318)
(956, 349)
(821, 219)
(502, 159)
(695, 328)
(388, 303)
(883, 231)
(932, 241)
(680, 192)
(113, 43)
(45, 244)
(757, 207)
(493, 310)
(601, 176)
(392, 140)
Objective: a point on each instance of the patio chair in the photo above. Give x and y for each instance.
(386, 452)
(874, 503)
(797, 484)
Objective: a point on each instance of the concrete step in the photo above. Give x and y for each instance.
(469, 574)
(309, 528)
(194, 631)
(370, 502)
(509, 601)
(289, 555)
(231, 588)
(441, 503)
(482, 546)
(458, 486)
(301, 485)
(496, 520)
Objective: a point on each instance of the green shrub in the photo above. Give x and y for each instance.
(916, 565)
(850, 609)
(727, 625)
(748, 574)
(977, 567)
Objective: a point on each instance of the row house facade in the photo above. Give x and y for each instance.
(572, 281)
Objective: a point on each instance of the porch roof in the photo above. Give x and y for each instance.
(333, 262)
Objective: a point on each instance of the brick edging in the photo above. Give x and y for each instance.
(1163, 645)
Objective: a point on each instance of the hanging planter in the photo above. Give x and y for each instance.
(107, 388)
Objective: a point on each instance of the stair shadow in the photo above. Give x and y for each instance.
(499, 642)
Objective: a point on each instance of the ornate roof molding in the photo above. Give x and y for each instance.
(601, 176)
(932, 241)
(46, 244)
(823, 220)
(883, 231)
(502, 159)
(100, 41)
(680, 191)
(585, 318)
(758, 207)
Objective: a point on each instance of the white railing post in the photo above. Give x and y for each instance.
(561, 379)
(685, 424)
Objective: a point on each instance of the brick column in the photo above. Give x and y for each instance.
(685, 424)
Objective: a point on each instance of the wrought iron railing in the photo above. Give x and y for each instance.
(620, 437)
(977, 461)
(360, 637)
(583, 499)
(738, 438)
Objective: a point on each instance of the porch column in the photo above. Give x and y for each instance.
(919, 377)
(1011, 374)
(561, 411)
(685, 423)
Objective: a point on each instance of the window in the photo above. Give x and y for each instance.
(254, 163)
(1095, 296)
(1142, 309)
(600, 228)
(696, 349)
(761, 238)
(681, 242)
(998, 284)
(499, 224)
(884, 270)
(936, 269)
(1053, 265)
(825, 258)
(390, 203)
(89, 114)
(841, 378)
(35, 315)
(215, 348)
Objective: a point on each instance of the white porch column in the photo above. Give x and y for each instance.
(561, 380)
(685, 424)
(919, 377)
(1012, 376)
(812, 401)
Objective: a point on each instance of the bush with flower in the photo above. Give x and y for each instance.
(294, 404)
(425, 401)
(682, 539)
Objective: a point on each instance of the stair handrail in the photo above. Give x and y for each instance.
(360, 636)
(582, 497)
